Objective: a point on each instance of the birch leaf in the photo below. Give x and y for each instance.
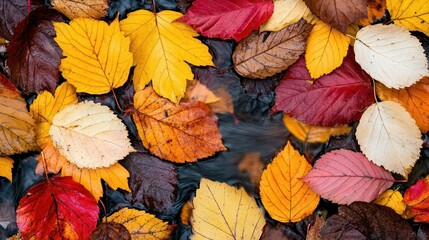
(412, 14)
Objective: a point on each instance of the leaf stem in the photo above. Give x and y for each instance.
(45, 168)
(374, 91)
(117, 101)
(154, 7)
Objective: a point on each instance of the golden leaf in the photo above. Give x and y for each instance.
(412, 14)
(285, 197)
(225, 212)
(161, 46)
(178, 133)
(95, 9)
(393, 199)
(326, 49)
(97, 57)
(6, 165)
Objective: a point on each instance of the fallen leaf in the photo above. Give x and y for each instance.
(393, 199)
(366, 221)
(50, 159)
(312, 133)
(339, 14)
(111, 230)
(389, 137)
(186, 213)
(391, 55)
(49, 211)
(343, 177)
(228, 19)
(90, 135)
(413, 98)
(313, 232)
(199, 92)
(36, 56)
(287, 12)
(141, 225)
(95, 9)
(376, 10)
(251, 163)
(416, 197)
(6, 165)
(285, 197)
(96, 51)
(265, 54)
(160, 46)
(224, 212)
(412, 14)
(178, 133)
(280, 231)
(337, 98)
(16, 124)
(153, 182)
(326, 49)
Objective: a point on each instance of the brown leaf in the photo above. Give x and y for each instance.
(338, 13)
(95, 9)
(111, 230)
(313, 232)
(153, 182)
(285, 232)
(36, 57)
(251, 164)
(361, 220)
(265, 54)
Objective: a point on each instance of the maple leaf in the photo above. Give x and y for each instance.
(85, 9)
(236, 216)
(178, 133)
(285, 197)
(94, 51)
(412, 14)
(49, 211)
(227, 19)
(160, 46)
(6, 165)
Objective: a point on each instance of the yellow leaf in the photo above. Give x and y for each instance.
(285, 197)
(90, 135)
(6, 165)
(45, 106)
(287, 12)
(412, 14)
(3, 41)
(352, 30)
(393, 199)
(326, 49)
(77, 8)
(312, 133)
(97, 57)
(141, 225)
(161, 46)
(225, 212)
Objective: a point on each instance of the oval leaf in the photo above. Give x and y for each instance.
(391, 55)
(389, 137)
(285, 197)
(393, 199)
(226, 19)
(343, 177)
(412, 14)
(337, 98)
(225, 212)
(261, 56)
(95, 9)
(50, 211)
(97, 58)
(178, 133)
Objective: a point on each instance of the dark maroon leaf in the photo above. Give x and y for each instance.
(362, 220)
(337, 98)
(153, 182)
(295, 231)
(111, 230)
(33, 55)
(13, 12)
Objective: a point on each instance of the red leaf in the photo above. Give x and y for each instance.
(57, 209)
(36, 56)
(343, 177)
(226, 19)
(337, 98)
(417, 199)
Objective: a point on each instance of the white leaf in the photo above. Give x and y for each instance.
(90, 135)
(391, 55)
(389, 136)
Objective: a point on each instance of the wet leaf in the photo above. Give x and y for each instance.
(6, 165)
(262, 55)
(393, 199)
(178, 133)
(228, 19)
(49, 211)
(95, 9)
(412, 14)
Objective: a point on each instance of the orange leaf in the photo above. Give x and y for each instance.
(52, 158)
(376, 10)
(199, 92)
(178, 133)
(413, 98)
(74, 9)
(6, 165)
(285, 197)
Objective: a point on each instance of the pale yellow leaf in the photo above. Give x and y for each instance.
(97, 57)
(90, 135)
(393, 199)
(6, 165)
(326, 49)
(412, 14)
(287, 12)
(225, 212)
(391, 55)
(81, 8)
(161, 46)
(389, 136)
